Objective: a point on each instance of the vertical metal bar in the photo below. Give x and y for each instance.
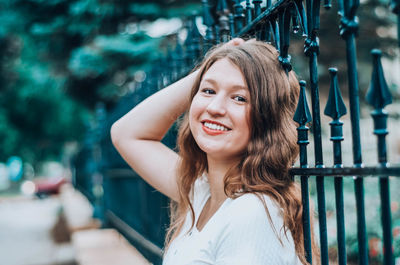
(257, 7)
(303, 17)
(223, 12)
(249, 16)
(341, 234)
(97, 176)
(395, 6)
(327, 4)
(208, 21)
(295, 19)
(348, 30)
(379, 96)
(231, 24)
(239, 15)
(335, 109)
(302, 117)
(306, 218)
(312, 51)
(284, 31)
(388, 258)
(192, 43)
(276, 36)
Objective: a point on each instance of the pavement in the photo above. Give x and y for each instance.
(25, 233)
(31, 233)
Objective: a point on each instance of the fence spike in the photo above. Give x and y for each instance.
(335, 107)
(302, 115)
(378, 94)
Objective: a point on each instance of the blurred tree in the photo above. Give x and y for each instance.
(59, 57)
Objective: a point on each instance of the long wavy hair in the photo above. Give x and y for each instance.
(264, 166)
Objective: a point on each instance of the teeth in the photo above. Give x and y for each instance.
(215, 126)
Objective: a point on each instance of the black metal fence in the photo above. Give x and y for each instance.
(129, 204)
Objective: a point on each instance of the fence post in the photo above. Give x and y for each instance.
(348, 31)
(311, 49)
(335, 109)
(303, 117)
(379, 96)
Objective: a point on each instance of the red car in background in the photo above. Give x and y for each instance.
(48, 186)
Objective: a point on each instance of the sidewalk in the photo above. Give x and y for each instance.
(26, 237)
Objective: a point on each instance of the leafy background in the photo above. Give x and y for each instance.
(58, 58)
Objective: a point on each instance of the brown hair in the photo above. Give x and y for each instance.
(272, 149)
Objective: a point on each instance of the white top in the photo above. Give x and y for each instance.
(238, 233)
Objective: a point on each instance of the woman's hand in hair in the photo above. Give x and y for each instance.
(235, 42)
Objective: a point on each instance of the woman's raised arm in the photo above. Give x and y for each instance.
(137, 135)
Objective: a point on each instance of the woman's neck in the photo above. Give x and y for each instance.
(217, 169)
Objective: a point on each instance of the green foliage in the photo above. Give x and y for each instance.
(58, 58)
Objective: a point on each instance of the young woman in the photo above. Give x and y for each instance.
(235, 200)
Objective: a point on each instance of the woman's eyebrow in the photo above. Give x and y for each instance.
(215, 83)
(209, 80)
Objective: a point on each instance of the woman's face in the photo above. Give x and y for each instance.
(220, 110)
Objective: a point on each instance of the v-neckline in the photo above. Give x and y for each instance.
(211, 217)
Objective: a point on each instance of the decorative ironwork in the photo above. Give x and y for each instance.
(379, 96)
(303, 117)
(273, 23)
(335, 109)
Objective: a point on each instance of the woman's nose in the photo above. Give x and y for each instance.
(217, 106)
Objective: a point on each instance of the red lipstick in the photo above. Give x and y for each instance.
(213, 131)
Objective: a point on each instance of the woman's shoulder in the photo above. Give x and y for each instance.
(254, 231)
(254, 205)
(256, 214)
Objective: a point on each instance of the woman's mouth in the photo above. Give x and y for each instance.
(213, 128)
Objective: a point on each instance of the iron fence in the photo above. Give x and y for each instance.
(141, 213)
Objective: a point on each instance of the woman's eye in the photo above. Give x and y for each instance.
(240, 98)
(208, 91)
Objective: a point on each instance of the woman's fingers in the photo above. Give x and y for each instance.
(235, 42)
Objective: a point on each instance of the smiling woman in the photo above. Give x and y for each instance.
(235, 202)
(219, 113)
